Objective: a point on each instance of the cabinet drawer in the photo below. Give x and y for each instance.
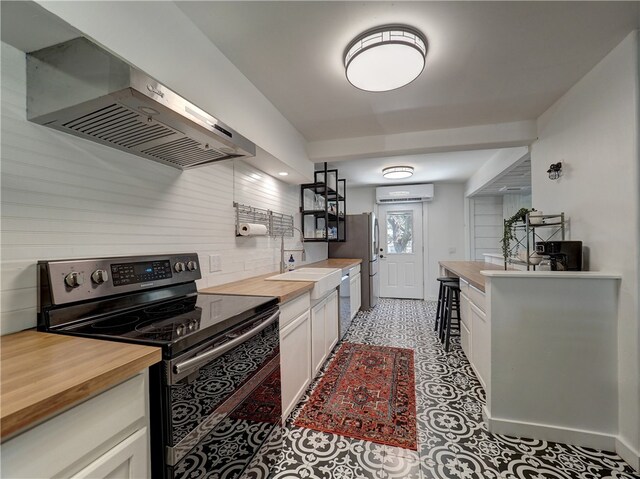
(128, 460)
(294, 308)
(464, 287)
(355, 270)
(477, 297)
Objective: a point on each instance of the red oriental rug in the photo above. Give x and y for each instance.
(368, 392)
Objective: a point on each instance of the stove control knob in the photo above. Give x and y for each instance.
(74, 279)
(179, 267)
(192, 266)
(99, 276)
(180, 330)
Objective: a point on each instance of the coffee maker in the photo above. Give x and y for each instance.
(563, 255)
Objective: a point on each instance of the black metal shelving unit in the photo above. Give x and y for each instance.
(526, 233)
(323, 207)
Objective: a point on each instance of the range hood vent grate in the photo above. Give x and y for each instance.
(119, 125)
(185, 152)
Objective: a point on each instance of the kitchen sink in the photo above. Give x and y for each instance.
(325, 279)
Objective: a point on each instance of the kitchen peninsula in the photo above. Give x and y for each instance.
(544, 345)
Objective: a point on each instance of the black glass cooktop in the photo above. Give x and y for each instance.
(177, 324)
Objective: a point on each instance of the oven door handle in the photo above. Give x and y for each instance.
(198, 360)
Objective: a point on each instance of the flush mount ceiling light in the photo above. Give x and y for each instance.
(385, 58)
(283, 173)
(397, 172)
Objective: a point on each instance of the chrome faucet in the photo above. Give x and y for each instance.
(283, 267)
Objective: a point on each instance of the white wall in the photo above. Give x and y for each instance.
(486, 229)
(160, 40)
(593, 130)
(64, 197)
(444, 229)
(512, 203)
(361, 199)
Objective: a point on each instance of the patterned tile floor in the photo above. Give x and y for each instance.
(453, 440)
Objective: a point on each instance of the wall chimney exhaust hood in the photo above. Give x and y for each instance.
(81, 89)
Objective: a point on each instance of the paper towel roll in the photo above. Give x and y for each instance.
(252, 229)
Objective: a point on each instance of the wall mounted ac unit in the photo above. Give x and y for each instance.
(404, 193)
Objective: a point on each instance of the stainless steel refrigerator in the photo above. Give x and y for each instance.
(362, 242)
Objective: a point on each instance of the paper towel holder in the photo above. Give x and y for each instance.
(278, 224)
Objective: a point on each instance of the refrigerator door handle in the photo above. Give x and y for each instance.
(376, 238)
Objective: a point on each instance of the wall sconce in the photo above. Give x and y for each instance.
(555, 170)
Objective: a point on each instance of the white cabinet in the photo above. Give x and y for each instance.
(105, 436)
(125, 461)
(480, 344)
(324, 329)
(295, 351)
(332, 321)
(465, 324)
(318, 328)
(355, 283)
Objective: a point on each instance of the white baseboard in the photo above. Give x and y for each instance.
(546, 432)
(626, 452)
(578, 437)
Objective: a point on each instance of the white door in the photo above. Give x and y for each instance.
(401, 264)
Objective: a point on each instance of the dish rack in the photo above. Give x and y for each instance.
(278, 224)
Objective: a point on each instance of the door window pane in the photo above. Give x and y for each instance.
(400, 232)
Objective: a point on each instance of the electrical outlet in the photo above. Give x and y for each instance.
(215, 263)
(452, 250)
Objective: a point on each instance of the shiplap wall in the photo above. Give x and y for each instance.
(486, 232)
(64, 197)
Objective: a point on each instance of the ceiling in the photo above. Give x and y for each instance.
(428, 168)
(487, 63)
(514, 180)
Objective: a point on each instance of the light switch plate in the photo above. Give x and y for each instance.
(215, 263)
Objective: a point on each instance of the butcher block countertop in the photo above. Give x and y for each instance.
(44, 374)
(470, 270)
(283, 290)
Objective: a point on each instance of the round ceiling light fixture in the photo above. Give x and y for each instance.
(385, 58)
(397, 172)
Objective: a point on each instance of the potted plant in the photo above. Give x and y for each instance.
(508, 232)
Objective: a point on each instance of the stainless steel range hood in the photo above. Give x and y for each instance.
(81, 89)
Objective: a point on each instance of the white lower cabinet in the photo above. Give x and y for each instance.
(480, 344)
(125, 461)
(332, 323)
(103, 437)
(305, 343)
(324, 329)
(465, 325)
(318, 331)
(355, 285)
(295, 360)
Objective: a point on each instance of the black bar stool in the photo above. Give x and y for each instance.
(441, 302)
(451, 312)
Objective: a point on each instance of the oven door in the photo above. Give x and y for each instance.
(223, 401)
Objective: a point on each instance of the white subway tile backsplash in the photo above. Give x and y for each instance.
(65, 197)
